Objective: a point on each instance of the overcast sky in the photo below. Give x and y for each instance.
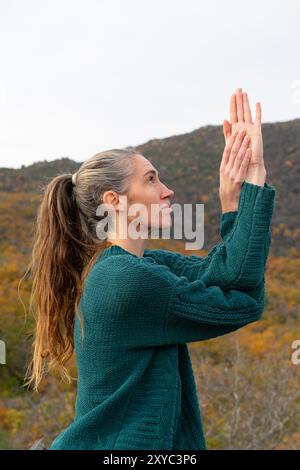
(82, 76)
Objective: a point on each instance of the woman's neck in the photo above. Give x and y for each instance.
(136, 247)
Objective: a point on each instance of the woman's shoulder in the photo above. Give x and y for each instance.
(128, 281)
(132, 270)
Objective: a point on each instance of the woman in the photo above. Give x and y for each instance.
(137, 308)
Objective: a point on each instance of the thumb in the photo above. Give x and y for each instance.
(226, 129)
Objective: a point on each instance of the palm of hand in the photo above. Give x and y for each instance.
(256, 141)
(240, 116)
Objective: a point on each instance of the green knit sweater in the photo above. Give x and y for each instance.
(136, 388)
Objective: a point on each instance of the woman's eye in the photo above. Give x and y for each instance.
(151, 178)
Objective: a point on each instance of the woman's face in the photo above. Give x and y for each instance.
(145, 188)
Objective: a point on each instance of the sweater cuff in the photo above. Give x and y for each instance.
(228, 216)
(252, 192)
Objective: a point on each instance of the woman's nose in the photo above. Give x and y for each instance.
(170, 193)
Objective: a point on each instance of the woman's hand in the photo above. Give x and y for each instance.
(241, 119)
(233, 169)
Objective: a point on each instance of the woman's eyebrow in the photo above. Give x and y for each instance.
(152, 171)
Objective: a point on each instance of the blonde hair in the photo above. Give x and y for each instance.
(65, 248)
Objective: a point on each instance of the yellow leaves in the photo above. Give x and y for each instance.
(282, 230)
(261, 343)
(289, 442)
(204, 198)
(11, 419)
(3, 412)
(256, 343)
(9, 272)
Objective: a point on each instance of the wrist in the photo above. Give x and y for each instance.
(229, 202)
(229, 208)
(256, 174)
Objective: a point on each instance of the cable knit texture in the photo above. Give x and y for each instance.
(136, 387)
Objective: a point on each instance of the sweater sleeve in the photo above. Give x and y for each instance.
(226, 223)
(191, 265)
(173, 310)
(239, 261)
(197, 312)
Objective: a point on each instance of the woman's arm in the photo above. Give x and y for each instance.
(181, 264)
(173, 310)
(191, 265)
(240, 268)
(198, 312)
(226, 223)
(232, 173)
(240, 260)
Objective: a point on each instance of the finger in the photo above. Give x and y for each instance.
(227, 149)
(226, 129)
(236, 163)
(244, 166)
(247, 110)
(235, 148)
(241, 154)
(258, 114)
(233, 110)
(239, 105)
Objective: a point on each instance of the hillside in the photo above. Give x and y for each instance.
(247, 384)
(189, 164)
